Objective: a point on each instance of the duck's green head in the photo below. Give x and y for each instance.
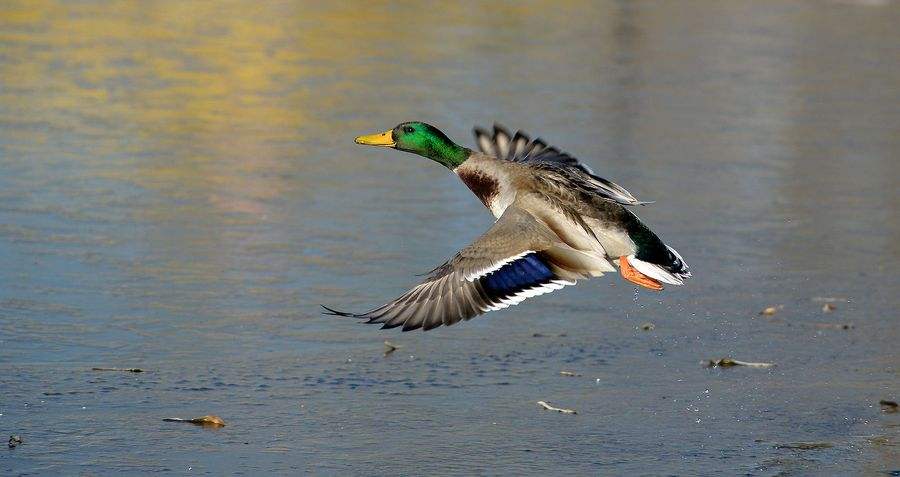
(422, 139)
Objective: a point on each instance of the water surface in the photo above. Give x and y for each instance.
(179, 190)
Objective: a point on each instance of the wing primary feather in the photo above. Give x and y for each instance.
(394, 322)
(465, 305)
(501, 141)
(519, 269)
(520, 148)
(483, 139)
(332, 312)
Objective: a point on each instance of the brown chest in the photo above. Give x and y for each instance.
(483, 185)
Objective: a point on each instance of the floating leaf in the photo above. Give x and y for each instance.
(728, 363)
(769, 311)
(390, 347)
(209, 420)
(548, 407)
(805, 445)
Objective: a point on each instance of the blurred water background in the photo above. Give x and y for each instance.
(179, 191)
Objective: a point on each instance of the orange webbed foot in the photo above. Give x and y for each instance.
(632, 275)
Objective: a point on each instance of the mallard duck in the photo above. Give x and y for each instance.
(556, 223)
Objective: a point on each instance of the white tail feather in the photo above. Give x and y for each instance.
(655, 271)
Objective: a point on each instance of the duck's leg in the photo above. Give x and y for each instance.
(632, 275)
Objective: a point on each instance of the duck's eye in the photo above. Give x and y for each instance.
(408, 129)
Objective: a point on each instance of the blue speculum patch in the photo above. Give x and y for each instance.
(522, 274)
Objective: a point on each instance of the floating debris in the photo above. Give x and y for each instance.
(805, 445)
(835, 326)
(547, 406)
(390, 347)
(124, 370)
(769, 311)
(210, 420)
(829, 299)
(647, 326)
(14, 440)
(728, 363)
(569, 374)
(889, 406)
(71, 393)
(828, 308)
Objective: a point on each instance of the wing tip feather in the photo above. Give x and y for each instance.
(333, 312)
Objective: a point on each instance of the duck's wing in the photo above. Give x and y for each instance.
(517, 258)
(521, 148)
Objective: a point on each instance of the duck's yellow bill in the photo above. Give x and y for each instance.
(384, 139)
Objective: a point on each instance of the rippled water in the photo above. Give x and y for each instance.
(179, 190)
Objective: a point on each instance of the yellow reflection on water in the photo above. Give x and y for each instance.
(212, 95)
(203, 90)
(152, 64)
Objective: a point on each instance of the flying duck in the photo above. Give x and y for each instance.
(556, 223)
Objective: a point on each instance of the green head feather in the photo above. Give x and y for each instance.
(422, 139)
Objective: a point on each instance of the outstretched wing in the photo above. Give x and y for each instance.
(521, 148)
(517, 258)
